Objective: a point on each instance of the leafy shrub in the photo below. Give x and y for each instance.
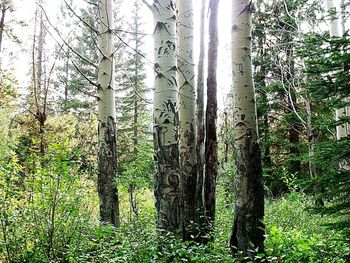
(295, 235)
(44, 209)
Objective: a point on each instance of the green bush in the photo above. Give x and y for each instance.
(295, 235)
(45, 209)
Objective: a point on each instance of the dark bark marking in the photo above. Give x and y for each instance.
(248, 227)
(107, 189)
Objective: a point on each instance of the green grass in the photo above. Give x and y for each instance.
(292, 233)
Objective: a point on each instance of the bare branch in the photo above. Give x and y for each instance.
(80, 19)
(148, 5)
(90, 3)
(65, 42)
(49, 79)
(84, 76)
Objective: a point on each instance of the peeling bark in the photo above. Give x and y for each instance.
(107, 152)
(187, 113)
(247, 231)
(168, 189)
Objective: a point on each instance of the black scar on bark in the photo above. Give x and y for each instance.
(247, 8)
(248, 227)
(236, 28)
(108, 192)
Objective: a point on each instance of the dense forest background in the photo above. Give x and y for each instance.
(77, 186)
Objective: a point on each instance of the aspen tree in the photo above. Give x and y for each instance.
(168, 189)
(343, 129)
(107, 189)
(187, 111)
(5, 6)
(247, 228)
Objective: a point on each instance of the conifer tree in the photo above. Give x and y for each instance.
(134, 136)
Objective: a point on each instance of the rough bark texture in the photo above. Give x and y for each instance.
(247, 231)
(107, 157)
(169, 203)
(211, 158)
(187, 113)
(199, 196)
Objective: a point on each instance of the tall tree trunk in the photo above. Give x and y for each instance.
(132, 185)
(311, 147)
(187, 113)
(136, 82)
(107, 159)
(343, 130)
(211, 158)
(2, 22)
(293, 130)
(226, 140)
(343, 15)
(200, 147)
(40, 91)
(247, 231)
(168, 189)
(335, 32)
(66, 86)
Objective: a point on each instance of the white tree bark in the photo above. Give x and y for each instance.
(247, 232)
(344, 129)
(187, 110)
(168, 189)
(107, 189)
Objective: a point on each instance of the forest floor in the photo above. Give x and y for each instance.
(293, 234)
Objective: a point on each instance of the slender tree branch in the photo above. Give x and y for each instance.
(148, 5)
(49, 79)
(80, 19)
(65, 42)
(84, 76)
